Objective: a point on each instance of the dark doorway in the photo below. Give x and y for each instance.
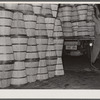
(78, 63)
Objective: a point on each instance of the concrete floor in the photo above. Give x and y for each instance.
(77, 76)
(71, 80)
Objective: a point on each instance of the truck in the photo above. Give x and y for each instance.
(78, 45)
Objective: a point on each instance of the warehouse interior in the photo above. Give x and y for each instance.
(48, 46)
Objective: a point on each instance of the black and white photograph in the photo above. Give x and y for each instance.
(49, 45)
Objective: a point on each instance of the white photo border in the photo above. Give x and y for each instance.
(50, 93)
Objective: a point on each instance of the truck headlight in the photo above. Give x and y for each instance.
(90, 44)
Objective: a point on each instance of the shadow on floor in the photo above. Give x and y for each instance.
(77, 63)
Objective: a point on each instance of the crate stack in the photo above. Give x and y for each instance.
(86, 24)
(82, 28)
(32, 35)
(42, 42)
(75, 19)
(82, 11)
(90, 12)
(32, 59)
(19, 44)
(90, 22)
(51, 58)
(82, 22)
(90, 27)
(6, 50)
(65, 13)
(58, 41)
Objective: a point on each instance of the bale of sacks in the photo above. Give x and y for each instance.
(32, 58)
(6, 50)
(51, 58)
(42, 42)
(75, 15)
(67, 29)
(82, 28)
(90, 12)
(19, 44)
(78, 24)
(86, 27)
(51, 53)
(74, 21)
(82, 11)
(65, 15)
(90, 22)
(66, 11)
(90, 27)
(58, 41)
(75, 26)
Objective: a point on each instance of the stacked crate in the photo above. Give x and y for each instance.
(90, 22)
(6, 50)
(82, 11)
(42, 42)
(90, 27)
(19, 42)
(65, 14)
(85, 23)
(32, 59)
(31, 39)
(58, 41)
(90, 12)
(75, 19)
(82, 22)
(51, 53)
(82, 28)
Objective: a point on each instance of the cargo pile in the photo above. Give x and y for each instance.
(32, 36)
(31, 42)
(65, 15)
(58, 41)
(77, 19)
(51, 57)
(6, 49)
(19, 44)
